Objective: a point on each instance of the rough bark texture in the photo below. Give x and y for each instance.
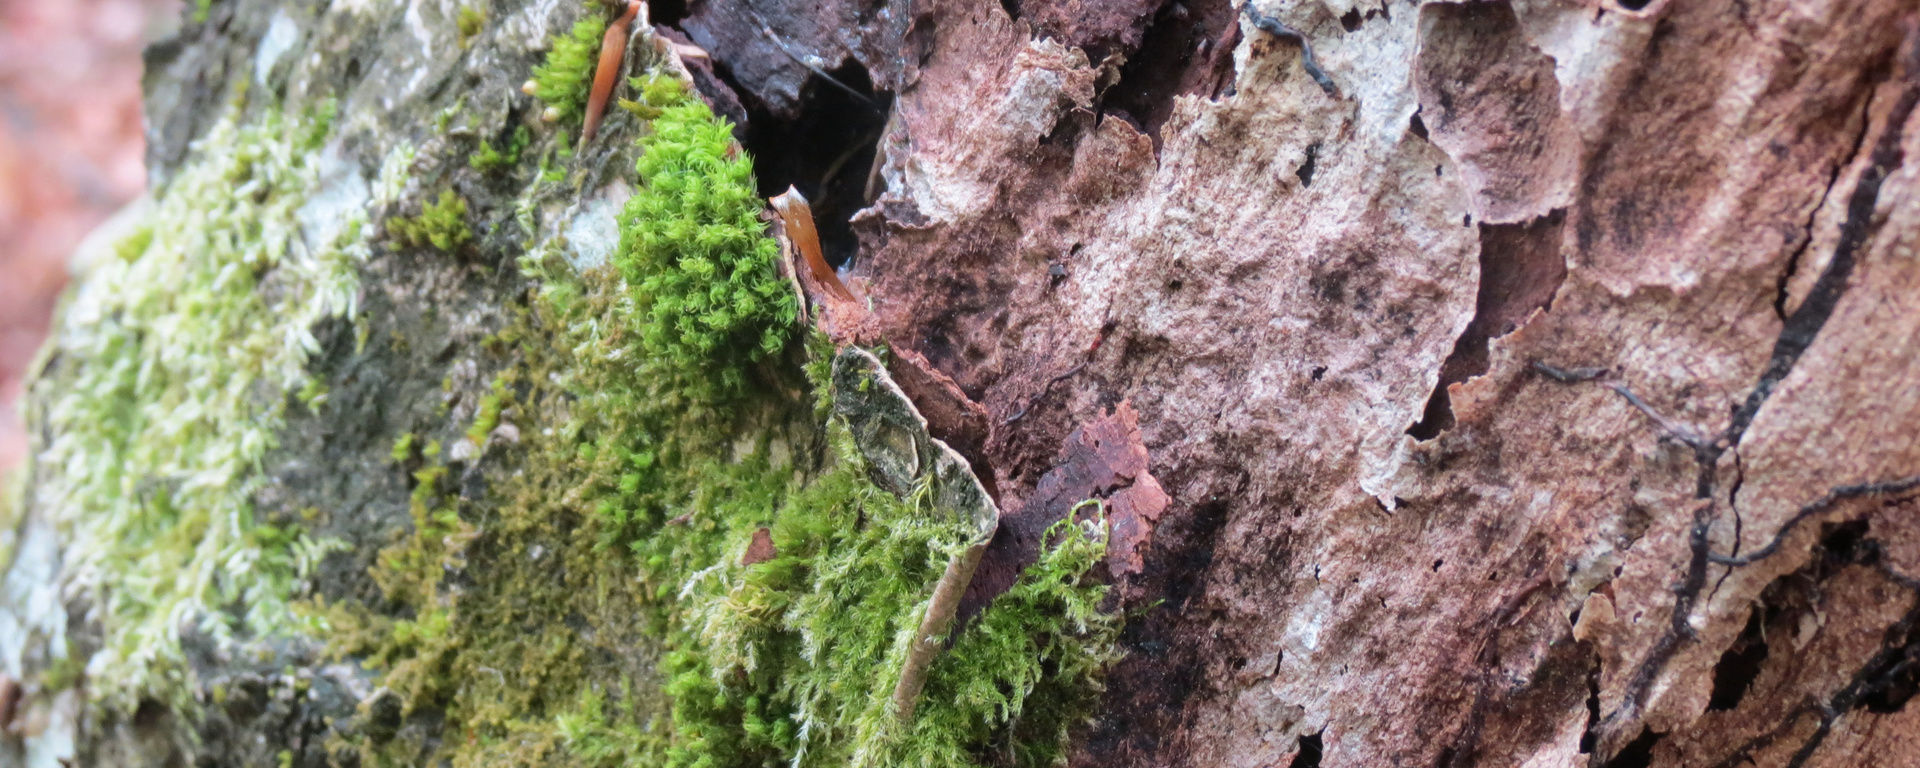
(1545, 395)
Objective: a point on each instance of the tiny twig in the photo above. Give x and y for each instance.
(1681, 432)
(1044, 390)
(1569, 375)
(1273, 26)
(1685, 434)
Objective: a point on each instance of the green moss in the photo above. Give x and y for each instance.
(666, 422)
(201, 9)
(1027, 670)
(12, 487)
(441, 224)
(160, 426)
(65, 672)
(657, 92)
(597, 734)
(403, 447)
(471, 20)
(703, 275)
(490, 159)
(487, 416)
(135, 244)
(319, 124)
(443, 120)
(563, 80)
(411, 570)
(312, 394)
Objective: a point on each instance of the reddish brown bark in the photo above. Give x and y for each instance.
(1552, 315)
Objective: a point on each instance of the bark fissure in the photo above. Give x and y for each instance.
(1286, 275)
(1807, 320)
(1679, 628)
(1186, 48)
(1815, 507)
(1783, 289)
(1795, 337)
(1899, 653)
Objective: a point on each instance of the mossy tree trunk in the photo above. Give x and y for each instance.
(1493, 383)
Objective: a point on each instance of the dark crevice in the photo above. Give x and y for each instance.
(1590, 736)
(1520, 270)
(826, 150)
(1638, 753)
(1845, 544)
(1310, 751)
(1350, 21)
(1186, 49)
(1742, 757)
(666, 13)
(1012, 8)
(1891, 686)
(1803, 326)
(1793, 260)
(1305, 171)
(1739, 665)
(1165, 665)
(1189, 569)
(1883, 684)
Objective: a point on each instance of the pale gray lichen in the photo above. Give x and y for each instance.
(171, 374)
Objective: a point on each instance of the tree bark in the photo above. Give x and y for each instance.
(1540, 390)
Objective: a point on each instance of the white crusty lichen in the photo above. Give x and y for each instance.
(171, 368)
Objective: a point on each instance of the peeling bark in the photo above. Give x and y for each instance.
(1384, 520)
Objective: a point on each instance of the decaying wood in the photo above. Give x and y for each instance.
(1337, 314)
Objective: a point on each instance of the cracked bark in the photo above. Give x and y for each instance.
(1277, 335)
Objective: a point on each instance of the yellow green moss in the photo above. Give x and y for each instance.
(470, 21)
(174, 366)
(402, 447)
(441, 224)
(563, 79)
(702, 273)
(490, 159)
(609, 617)
(487, 416)
(657, 92)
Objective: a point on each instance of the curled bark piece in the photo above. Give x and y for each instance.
(901, 455)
